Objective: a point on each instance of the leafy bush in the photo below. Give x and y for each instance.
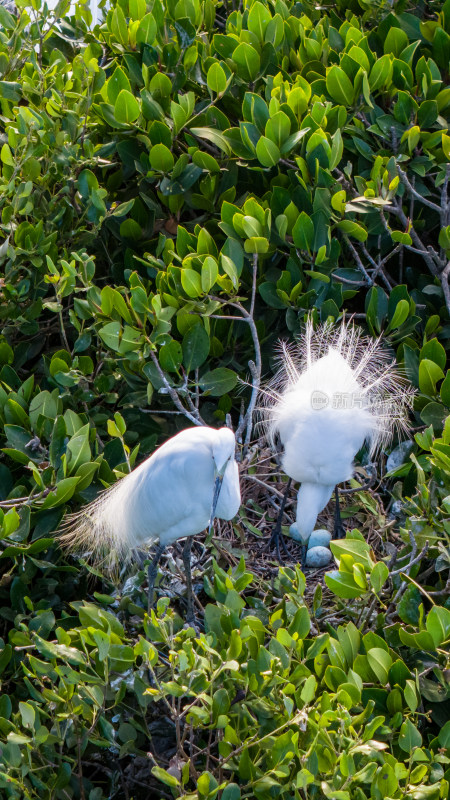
(179, 187)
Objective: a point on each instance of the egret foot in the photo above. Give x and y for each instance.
(152, 573)
(276, 535)
(339, 530)
(274, 542)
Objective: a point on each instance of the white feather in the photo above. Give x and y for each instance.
(334, 390)
(167, 497)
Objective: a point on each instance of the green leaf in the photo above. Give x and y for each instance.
(126, 107)
(231, 792)
(191, 282)
(147, 30)
(216, 79)
(116, 83)
(339, 86)
(444, 736)
(6, 155)
(165, 777)
(258, 19)
(445, 390)
(303, 232)
(401, 237)
(301, 623)
(434, 351)
(119, 26)
(381, 73)
(256, 244)
(211, 135)
(352, 229)
(385, 782)
(438, 624)
(429, 374)
(409, 737)
(359, 550)
(218, 382)
(78, 449)
(247, 61)
(161, 158)
(195, 347)
(337, 149)
(380, 663)
(410, 693)
(64, 491)
(267, 152)
(268, 292)
(110, 333)
(395, 41)
(278, 128)
(379, 576)
(400, 315)
(209, 273)
(170, 356)
(87, 183)
(343, 585)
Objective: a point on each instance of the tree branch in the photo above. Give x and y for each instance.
(405, 180)
(246, 420)
(444, 276)
(357, 258)
(174, 394)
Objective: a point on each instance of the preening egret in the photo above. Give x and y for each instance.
(175, 493)
(335, 389)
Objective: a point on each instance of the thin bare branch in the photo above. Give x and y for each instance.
(444, 276)
(445, 204)
(357, 258)
(174, 394)
(405, 180)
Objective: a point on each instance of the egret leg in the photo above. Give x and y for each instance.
(190, 617)
(152, 573)
(339, 530)
(304, 550)
(276, 535)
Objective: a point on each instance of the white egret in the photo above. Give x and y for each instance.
(175, 493)
(335, 389)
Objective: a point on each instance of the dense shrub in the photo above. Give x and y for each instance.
(180, 186)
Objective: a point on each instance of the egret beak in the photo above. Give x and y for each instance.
(217, 488)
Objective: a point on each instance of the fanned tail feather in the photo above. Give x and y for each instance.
(384, 390)
(94, 532)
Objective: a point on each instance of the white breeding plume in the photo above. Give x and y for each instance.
(175, 493)
(334, 390)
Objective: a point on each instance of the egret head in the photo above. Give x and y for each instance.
(223, 450)
(223, 454)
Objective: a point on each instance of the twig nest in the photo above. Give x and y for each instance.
(318, 557)
(295, 534)
(319, 538)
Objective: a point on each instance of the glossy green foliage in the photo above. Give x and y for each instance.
(281, 708)
(177, 167)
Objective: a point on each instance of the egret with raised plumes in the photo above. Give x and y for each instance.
(176, 493)
(335, 390)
